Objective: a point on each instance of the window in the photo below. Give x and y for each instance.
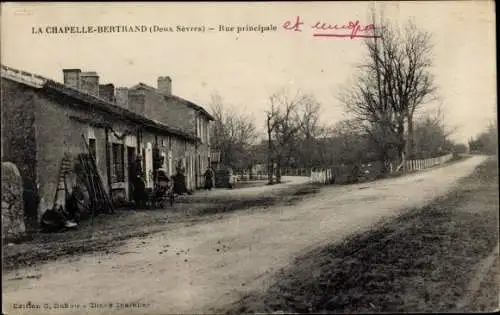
(164, 164)
(118, 164)
(199, 128)
(93, 149)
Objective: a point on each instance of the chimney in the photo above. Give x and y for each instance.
(89, 83)
(107, 92)
(72, 78)
(122, 97)
(165, 85)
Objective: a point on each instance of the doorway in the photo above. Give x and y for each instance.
(131, 160)
(93, 149)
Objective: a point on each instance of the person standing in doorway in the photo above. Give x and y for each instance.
(209, 178)
(139, 190)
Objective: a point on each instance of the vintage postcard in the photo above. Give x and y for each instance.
(249, 157)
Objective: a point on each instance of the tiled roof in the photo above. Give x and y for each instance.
(102, 104)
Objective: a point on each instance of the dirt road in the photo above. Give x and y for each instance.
(208, 265)
(248, 191)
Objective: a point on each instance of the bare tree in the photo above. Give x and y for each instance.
(309, 133)
(431, 136)
(394, 81)
(232, 134)
(291, 121)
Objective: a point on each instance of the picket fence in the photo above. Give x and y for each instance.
(322, 176)
(327, 175)
(415, 165)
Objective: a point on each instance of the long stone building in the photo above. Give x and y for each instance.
(43, 120)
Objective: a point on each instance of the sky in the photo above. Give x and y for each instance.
(246, 68)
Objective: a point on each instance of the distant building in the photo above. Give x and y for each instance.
(42, 120)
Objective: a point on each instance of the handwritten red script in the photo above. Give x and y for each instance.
(351, 30)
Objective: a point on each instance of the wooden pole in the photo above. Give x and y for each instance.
(269, 151)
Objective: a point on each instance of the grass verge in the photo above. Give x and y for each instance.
(422, 261)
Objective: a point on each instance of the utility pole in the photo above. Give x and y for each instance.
(269, 151)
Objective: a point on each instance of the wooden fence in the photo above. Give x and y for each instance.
(344, 174)
(415, 165)
(369, 171)
(322, 176)
(341, 174)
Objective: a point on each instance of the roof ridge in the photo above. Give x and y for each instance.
(21, 76)
(92, 98)
(141, 84)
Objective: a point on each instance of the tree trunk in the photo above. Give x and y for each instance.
(401, 158)
(270, 172)
(278, 173)
(409, 142)
(270, 162)
(385, 162)
(278, 170)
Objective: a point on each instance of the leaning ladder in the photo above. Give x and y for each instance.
(102, 200)
(64, 169)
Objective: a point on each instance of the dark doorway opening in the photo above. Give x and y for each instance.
(131, 162)
(93, 149)
(144, 162)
